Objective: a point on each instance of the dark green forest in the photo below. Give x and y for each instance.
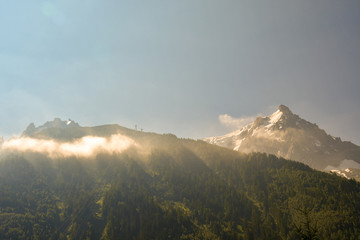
(177, 189)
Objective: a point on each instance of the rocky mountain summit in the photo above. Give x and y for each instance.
(56, 123)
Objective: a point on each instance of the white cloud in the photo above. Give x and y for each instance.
(234, 123)
(84, 147)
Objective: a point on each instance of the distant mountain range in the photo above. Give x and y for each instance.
(287, 135)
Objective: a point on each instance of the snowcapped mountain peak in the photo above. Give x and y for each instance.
(280, 119)
(287, 135)
(283, 115)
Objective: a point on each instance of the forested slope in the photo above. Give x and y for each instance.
(172, 189)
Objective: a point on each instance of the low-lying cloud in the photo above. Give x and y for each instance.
(234, 123)
(84, 147)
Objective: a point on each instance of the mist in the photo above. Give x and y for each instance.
(88, 146)
(234, 123)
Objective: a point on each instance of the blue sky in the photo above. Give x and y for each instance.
(176, 66)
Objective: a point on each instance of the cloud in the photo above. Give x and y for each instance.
(87, 146)
(234, 123)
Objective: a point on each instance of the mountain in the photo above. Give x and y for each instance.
(287, 135)
(56, 123)
(110, 182)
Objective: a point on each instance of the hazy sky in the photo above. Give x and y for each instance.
(177, 65)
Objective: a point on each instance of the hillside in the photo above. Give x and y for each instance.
(162, 187)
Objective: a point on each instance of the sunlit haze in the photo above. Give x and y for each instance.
(193, 68)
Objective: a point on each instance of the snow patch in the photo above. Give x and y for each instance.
(238, 144)
(275, 117)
